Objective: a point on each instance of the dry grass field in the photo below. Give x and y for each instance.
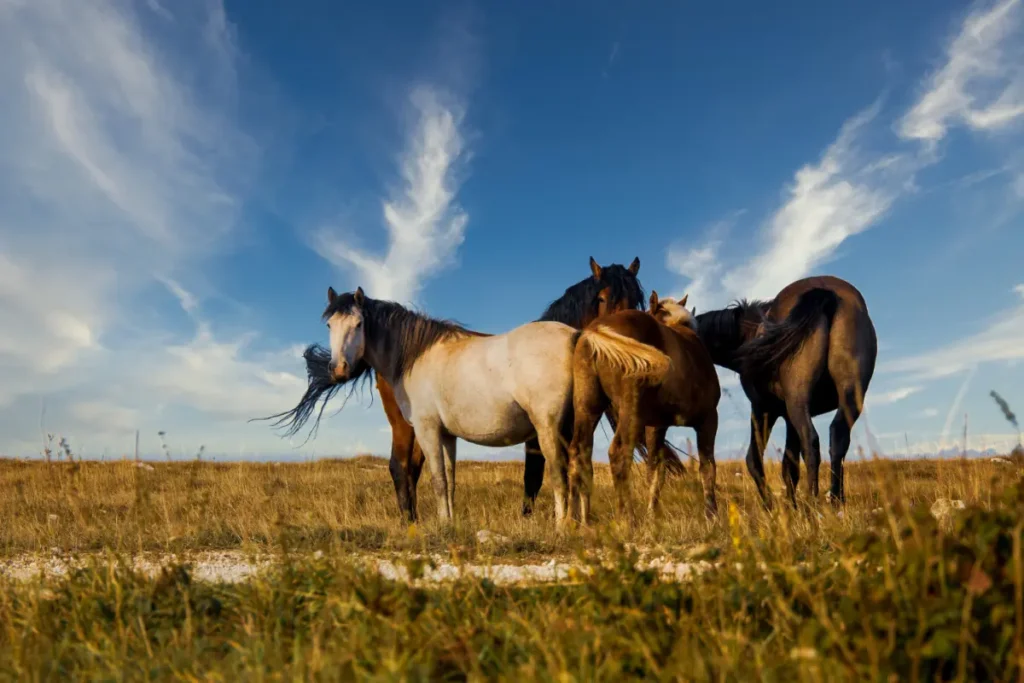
(902, 585)
(349, 505)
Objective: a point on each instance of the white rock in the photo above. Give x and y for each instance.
(485, 536)
(943, 507)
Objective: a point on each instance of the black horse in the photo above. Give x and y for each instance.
(808, 351)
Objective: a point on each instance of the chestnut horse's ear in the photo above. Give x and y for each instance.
(634, 267)
(682, 302)
(331, 295)
(654, 301)
(595, 269)
(359, 296)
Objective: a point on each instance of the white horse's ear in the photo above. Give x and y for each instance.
(682, 302)
(595, 269)
(331, 295)
(359, 296)
(634, 267)
(654, 301)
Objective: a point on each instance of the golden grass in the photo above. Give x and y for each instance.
(350, 505)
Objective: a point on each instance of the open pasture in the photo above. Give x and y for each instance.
(902, 584)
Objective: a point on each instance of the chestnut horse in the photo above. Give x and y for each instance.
(654, 372)
(808, 351)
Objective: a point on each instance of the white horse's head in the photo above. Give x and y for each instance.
(344, 316)
(672, 313)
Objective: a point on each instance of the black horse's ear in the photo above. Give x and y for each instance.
(331, 295)
(359, 296)
(634, 267)
(595, 269)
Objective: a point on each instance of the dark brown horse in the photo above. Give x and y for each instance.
(608, 289)
(653, 371)
(808, 351)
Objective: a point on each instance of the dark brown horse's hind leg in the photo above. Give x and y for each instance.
(800, 419)
(839, 442)
(533, 475)
(761, 424)
(706, 433)
(791, 461)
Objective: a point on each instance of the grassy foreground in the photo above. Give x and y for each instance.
(349, 506)
(902, 596)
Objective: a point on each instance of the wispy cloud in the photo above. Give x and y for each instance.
(701, 264)
(1000, 340)
(424, 222)
(123, 158)
(892, 396)
(980, 85)
(859, 177)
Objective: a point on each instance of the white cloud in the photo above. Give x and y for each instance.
(123, 157)
(929, 412)
(701, 265)
(854, 184)
(845, 193)
(106, 417)
(1000, 340)
(425, 224)
(890, 397)
(981, 83)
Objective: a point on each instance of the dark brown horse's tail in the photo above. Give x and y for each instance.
(762, 355)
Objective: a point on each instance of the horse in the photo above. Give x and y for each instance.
(808, 351)
(655, 372)
(453, 383)
(609, 288)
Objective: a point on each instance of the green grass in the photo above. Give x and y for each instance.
(903, 597)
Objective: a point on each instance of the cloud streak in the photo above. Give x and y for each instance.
(124, 166)
(852, 187)
(424, 222)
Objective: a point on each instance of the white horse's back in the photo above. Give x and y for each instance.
(492, 390)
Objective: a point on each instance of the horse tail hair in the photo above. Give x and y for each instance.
(763, 354)
(636, 360)
(633, 358)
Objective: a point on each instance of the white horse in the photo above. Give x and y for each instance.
(450, 382)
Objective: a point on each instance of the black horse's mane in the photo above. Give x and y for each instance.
(410, 334)
(725, 325)
(580, 300)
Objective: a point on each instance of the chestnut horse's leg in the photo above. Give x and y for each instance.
(656, 455)
(406, 455)
(533, 475)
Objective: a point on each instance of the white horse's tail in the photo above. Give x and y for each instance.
(634, 359)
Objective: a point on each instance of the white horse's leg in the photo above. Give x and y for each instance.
(429, 437)
(557, 465)
(448, 450)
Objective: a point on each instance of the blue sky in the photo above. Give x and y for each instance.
(182, 180)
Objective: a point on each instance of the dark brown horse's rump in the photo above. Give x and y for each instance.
(808, 351)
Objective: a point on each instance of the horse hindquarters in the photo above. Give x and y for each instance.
(589, 403)
(851, 363)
